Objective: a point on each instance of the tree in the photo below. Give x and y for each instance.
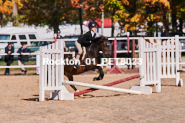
(133, 14)
(5, 11)
(47, 12)
(8, 11)
(113, 9)
(177, 11)
(142, 11)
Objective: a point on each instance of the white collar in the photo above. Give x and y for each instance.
(92, 33)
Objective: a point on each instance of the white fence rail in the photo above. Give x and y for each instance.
(118, 51)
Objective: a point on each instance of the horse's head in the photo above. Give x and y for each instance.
(103, 45)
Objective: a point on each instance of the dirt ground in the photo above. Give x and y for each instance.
(19, 102)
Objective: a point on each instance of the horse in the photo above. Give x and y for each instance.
(92, 51)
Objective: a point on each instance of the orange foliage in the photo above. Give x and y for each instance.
(74, 3)
(7, 5)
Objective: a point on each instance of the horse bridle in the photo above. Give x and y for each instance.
(103, 52)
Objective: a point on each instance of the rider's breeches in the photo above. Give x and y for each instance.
(79, 47)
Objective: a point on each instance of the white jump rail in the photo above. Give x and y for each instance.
(146, 91)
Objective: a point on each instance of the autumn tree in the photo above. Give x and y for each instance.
(142, 11)
(133, 14)
(113, 9)
(5, 11)
(48, 12)
(177, 11)
(9, 11)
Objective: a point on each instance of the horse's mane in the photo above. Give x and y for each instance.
(93, 49)
(98, 38)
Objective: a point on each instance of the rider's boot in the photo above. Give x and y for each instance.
(76, 66)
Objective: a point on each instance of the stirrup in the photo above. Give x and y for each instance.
(76, 66)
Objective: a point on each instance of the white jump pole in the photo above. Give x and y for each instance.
(103, 87)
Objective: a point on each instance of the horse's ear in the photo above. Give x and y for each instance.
(105, 38)
(97, 39)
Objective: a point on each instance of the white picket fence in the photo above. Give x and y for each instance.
(159, 61)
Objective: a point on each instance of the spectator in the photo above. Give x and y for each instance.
(58, 34)
(164, 33)
(60, 37)
(23, 58)
(9, 49)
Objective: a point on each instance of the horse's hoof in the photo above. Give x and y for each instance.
(96, 78)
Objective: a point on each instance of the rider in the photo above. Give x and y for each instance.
(60, 37)
(85, 40)
(164, 33)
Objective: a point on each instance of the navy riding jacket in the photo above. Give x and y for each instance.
(85, 39)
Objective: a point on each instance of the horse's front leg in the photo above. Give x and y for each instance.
(70, 77)
(101, 75)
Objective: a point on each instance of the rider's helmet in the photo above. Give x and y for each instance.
(163, 27)
(92, 24)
